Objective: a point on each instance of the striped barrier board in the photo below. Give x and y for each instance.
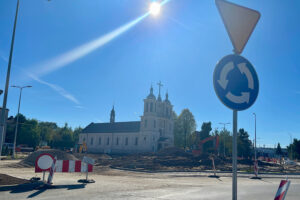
(282, 190)
(51, 173)
(45, 161)
(73, 166)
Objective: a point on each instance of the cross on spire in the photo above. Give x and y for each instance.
(159, 86)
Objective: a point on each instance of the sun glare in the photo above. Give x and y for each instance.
(154, 8)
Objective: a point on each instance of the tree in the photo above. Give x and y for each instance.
(184, 126)
(294, 149)
(244, 144)
(225, 142)
(278, 150)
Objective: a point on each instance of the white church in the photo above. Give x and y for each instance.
(152, 133)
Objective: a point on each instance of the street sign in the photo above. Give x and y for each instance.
(239, 22)
(43, 162)
(236, 82)
(88, 160)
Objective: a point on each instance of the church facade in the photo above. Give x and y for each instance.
(152, 133)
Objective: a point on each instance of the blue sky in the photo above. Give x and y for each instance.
(180, 47)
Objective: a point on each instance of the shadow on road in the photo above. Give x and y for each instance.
(38, 187)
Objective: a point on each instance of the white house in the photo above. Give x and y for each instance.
(152, 133)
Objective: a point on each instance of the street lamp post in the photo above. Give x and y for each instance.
(2, 119)
(254, 137)
(224, 124)
(291, 137)
(16, 130)
(255, 156)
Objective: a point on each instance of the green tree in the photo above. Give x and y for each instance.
(184, 126)
(294, 149)
(28, 133)
(244, 144)
(225, 142)
(278, 150)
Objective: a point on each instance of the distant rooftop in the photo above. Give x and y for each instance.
(117, 127)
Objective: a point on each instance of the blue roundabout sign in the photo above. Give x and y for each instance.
(236, 82)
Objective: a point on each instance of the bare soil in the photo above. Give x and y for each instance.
(10, 180)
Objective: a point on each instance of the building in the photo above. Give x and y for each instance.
(152, 133)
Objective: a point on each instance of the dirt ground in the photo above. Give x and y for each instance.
(172, 159)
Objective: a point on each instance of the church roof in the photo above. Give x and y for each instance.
(117, 127)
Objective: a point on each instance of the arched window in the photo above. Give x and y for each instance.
(117, 143)
(84, 139)
(107, 141)
(126, 141)
(145, 139)
(151, 107)
(99, 141)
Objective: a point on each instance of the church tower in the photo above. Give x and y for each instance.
(148, 121)
(157, 120)
(112, 115)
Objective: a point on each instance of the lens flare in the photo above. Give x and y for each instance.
(154, 8)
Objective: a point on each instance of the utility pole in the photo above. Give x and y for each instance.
(224, 124)
(2, 118)
(291, 137)
(17, 123)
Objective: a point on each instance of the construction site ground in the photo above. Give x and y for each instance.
(114, 184)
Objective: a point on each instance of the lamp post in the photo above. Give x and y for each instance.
(16, 130)
(255, 157)
(254, 137)
(2, 119)
(224, 124)
(291, 137)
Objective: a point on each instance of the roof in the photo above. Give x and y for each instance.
(117, 127)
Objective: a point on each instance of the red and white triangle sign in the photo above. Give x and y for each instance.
(239, 22)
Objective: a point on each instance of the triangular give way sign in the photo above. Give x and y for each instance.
(239, 22)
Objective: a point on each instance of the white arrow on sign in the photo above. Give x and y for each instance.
(239, 22)
(226, 69)
(238, 99)
(244, 70)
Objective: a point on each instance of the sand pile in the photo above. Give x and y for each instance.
(61, 155)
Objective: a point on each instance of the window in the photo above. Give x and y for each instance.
(84, 139)
(154, 123)
(145, 123)
(117, 143)
(107, 141)
(146, 107)
(92, 141)
(136, 141)
(160, 132)
(126, 141)
(145, 138)
(99, 141)
(151, 107)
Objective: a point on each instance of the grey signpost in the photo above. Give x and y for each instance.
(230, 71)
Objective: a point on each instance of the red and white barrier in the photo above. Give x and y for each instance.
(51, 173)
(44, 163)
(282, 190)
(73, 166)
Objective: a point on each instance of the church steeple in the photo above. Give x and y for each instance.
(151, 95)
(112, 115)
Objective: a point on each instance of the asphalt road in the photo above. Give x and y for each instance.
(117, 184)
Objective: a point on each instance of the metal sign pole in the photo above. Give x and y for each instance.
(234, 156)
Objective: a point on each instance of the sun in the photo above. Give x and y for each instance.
(154, 8)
